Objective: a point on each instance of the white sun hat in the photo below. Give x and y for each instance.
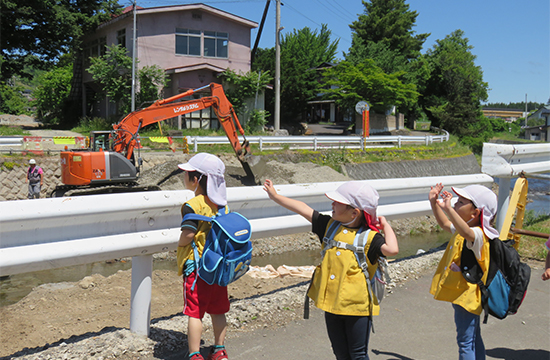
(360, 195)
(32, 161)
(214, 169)
(486, 201)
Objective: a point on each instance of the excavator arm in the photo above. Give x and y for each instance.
(127, 130)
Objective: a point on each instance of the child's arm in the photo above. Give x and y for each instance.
(296, 206)
(546, 273)
(390, 247)
(460, 225)
(436, 207)
(186, 237)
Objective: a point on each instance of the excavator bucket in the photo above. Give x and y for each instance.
(254, 166)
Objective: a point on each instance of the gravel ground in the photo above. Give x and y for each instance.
(247, 314)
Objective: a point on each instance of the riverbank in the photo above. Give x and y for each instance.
(89, 318)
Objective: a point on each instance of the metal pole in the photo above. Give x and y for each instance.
(134, 61)
(140, 305)
(277, 116)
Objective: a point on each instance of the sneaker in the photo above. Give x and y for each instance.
(220, 354)
(196, 356)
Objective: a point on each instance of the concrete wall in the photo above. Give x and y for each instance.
(14, 187)
(413, 168)
(379, 123)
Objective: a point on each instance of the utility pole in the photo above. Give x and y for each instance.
(134, 61)
(277, 118)
(526, 110)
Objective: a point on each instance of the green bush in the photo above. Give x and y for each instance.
(257, 121)
(92, 124)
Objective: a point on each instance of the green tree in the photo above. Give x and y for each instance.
(114, 72)
(12, 100)
(384, 33)
(243, 87)
(456, 89)
(36, 32)
(350, 83)
(50, 95)
(388, 24)
(152, 81)
(302, 51)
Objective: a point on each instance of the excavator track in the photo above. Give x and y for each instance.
(61, 191)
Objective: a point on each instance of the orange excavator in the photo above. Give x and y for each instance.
(109, 164)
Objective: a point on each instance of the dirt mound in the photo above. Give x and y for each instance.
(169, 177)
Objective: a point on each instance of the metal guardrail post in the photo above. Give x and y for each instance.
(399, 141)
(195, 144)
(315, 143)
(140, 303)
(503, 200)
(261, 142)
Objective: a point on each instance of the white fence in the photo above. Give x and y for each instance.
(56, 232)
(508, 161)
(321, 142)
(16, 144)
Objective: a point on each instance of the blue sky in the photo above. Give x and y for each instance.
(511, 38)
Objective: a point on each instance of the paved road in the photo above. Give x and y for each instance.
(412, 325)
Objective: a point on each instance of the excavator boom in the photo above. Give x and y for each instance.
(116, 164)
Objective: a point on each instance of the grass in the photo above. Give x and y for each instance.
(533, 247)
(12, 131)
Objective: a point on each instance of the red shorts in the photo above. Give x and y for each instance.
(211, 299)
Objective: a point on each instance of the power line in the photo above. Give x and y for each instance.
(332, 11)
(316, 23)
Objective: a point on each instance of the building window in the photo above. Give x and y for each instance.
(188, 42)
(94, 48)
(121, 37)
(215, 44)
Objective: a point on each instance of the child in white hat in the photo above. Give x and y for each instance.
(204, 175)
(470, 220)
(339, 286)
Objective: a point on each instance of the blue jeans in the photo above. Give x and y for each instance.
(349, 336)
(468, 335)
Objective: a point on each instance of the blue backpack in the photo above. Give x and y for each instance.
(227, 251)
(507, 281)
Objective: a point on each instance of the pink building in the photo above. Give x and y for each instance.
(193, 43)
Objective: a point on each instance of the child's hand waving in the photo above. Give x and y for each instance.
(268, 187)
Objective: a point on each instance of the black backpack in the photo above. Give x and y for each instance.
(507, 280)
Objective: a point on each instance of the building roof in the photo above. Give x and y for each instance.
(187, 7)
(194, 67)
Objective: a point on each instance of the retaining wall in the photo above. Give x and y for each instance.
(14, 187)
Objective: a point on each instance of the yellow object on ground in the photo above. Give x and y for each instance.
(159, 139)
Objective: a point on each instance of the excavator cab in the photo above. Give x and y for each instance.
(101, 140)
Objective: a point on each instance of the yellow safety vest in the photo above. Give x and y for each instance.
(339, 285)
(448, 285)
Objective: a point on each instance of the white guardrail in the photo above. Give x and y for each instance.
(321, 142)
(277, 142)
(56, 232)
(505, 162)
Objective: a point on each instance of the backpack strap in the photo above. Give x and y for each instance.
(360, 241)
(192, 216)
(471, 271)
(329, 235)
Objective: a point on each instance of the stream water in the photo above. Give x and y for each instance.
(15, 287)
